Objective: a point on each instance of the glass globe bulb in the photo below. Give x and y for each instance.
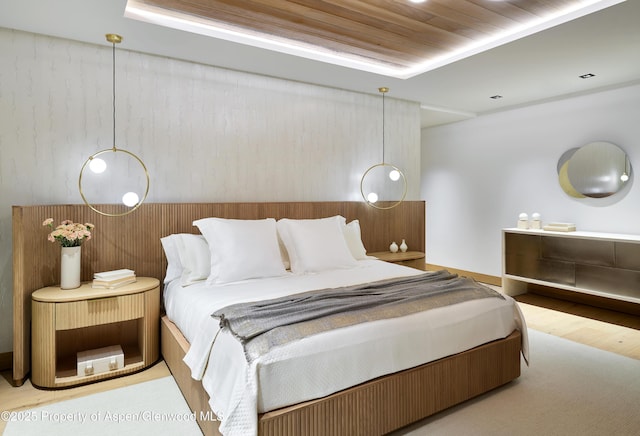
(130, 199)
(624, 177)
(97, 165)
(372, 197)
(394, 175)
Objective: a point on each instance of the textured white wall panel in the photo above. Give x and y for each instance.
(205, 134)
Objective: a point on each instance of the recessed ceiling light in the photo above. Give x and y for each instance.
(417, 1)
(587, 76)
(496, 97)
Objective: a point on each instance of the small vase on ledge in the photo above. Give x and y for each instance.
(403, 246)
(393, 247)
(70, 268)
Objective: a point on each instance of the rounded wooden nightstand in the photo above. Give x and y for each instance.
(414, 259)
(66, 322)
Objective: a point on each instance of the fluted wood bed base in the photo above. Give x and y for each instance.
(372, 408)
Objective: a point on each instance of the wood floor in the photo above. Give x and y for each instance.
(605, 329)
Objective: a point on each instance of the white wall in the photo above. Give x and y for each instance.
(205, 134)
(479, 174)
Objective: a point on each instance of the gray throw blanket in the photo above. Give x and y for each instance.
(261, 325)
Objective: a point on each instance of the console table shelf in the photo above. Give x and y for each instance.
(599, 264)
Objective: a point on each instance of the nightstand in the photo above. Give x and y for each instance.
(65, 322)
(414, 259)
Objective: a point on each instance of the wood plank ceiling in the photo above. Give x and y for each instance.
(397, 33)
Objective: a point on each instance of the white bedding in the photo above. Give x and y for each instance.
(325, 363)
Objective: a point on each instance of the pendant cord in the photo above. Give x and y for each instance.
(383, 91)
(114, 96)
(383, 128)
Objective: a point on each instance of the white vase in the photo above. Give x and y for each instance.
(393, 247)
(70, 268)
(403, 246)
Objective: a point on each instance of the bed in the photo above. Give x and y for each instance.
(372, 401)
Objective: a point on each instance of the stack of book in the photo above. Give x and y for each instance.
(113, 279)
(560, 227)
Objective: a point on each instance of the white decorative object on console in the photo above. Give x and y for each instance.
(560, 227)
(536, 222)
(523, 221)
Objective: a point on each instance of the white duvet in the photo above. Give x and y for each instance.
(325, 363)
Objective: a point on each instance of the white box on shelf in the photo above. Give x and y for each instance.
(100, 360)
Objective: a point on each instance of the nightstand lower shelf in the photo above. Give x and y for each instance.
(67, 363)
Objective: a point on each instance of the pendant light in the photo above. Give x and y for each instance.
(114, 174)
(383, 185)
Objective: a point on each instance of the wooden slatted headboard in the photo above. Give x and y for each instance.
(133, 241)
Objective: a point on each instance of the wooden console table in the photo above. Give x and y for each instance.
(602, 265)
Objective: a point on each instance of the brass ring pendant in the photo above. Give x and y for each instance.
(122, 174)
(387, 169)
(384, 184)
(113, 150)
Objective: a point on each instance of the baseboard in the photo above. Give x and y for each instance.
(482, 278)
(6, 361)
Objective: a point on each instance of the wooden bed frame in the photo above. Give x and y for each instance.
(372, 408)
(133, 241)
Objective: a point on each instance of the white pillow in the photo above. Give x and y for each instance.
(241, 249)
(194, 257)
(316, 244)
(174, 266)
(353, 237)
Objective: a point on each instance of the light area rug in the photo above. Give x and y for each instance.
(568, 389)
(154, 407)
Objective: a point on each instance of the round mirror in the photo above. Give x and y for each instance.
(596, 170)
